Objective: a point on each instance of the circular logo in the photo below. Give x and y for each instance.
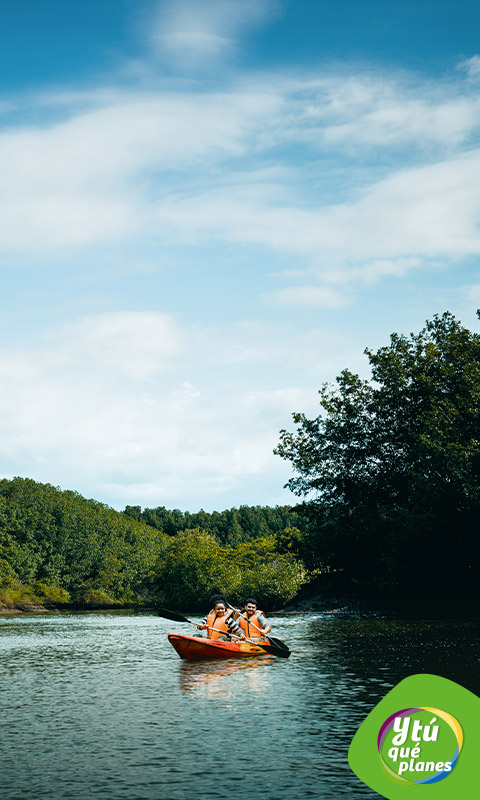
(419, 745)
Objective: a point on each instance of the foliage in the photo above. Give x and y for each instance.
(97, 598)
(391, 468)
(189, 569)
(51, 538)
(194, 565)
(230, 527)
(266, 573)
(56, 548)
(51, 595)
(29, 597)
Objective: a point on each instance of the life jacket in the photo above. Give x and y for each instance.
(247, 626)
(218, 623)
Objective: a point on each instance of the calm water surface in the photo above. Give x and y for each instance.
(100, 705)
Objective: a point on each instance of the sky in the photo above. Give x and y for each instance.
(210, 208)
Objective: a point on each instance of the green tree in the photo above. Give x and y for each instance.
(194, 565)
(390, 469)
(272, 577)
(191, 567)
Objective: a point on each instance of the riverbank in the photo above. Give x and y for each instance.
(334, 593)
(26, 608)
(32, 600)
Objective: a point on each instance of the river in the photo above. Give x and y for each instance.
(98, 705)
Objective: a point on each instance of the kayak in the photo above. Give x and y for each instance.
(196, 647)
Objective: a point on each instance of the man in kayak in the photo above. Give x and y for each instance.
(253, 622)
(219, 623)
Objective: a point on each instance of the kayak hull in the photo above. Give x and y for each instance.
(198, 648)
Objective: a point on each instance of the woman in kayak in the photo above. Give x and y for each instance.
(219, 623)
(253, 622)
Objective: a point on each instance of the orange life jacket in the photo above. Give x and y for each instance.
(218, 623)
(247, 626)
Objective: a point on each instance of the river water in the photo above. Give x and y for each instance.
(99, 705)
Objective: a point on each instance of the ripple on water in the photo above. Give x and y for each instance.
(99, 705)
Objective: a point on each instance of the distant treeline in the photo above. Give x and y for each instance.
(230, 527)
(59, 549)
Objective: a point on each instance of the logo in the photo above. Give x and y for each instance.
(419, 745)
(425, 732)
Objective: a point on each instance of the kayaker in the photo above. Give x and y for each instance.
(220, 622)
(252, 620)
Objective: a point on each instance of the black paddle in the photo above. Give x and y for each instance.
(164, 612)
(282, 652)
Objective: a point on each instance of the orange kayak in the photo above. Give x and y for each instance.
(196, 647)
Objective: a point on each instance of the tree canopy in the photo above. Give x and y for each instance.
(390, 469)
(82, 549)
(229, 527)
(57, 548)
(194, 565)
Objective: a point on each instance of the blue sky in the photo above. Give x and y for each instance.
(208, 210)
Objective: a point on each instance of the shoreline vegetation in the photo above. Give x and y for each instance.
(388, 481)
(60, 551)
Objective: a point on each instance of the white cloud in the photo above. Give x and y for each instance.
(176, 166)
(449, 122)
(378, 268)
(384, 111)
(130, 406)
(473, 293)
(193, 34)
(472, 67)
(137, 344)
(410, 217)
(88, 179)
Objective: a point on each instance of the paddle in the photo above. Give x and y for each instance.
(281, 652)
(272, 649)
(277, 642)
(164, 612)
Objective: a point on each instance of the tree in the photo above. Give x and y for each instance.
(192, 566)
(391, 467)
(266, 573)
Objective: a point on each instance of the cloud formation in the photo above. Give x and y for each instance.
(141, 408)
(209, 166)
(327, 183)
(194, 35)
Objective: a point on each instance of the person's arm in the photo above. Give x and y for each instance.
(235, 628)
(263, 624)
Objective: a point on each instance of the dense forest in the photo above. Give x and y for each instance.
(390, 475)
(389, 480)
(230, 527)
(59, 549)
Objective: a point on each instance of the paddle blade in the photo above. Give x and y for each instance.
(278, 642)
(281, 652)
(164, 612)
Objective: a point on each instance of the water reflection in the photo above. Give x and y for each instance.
(196, 675)
(378, 653)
